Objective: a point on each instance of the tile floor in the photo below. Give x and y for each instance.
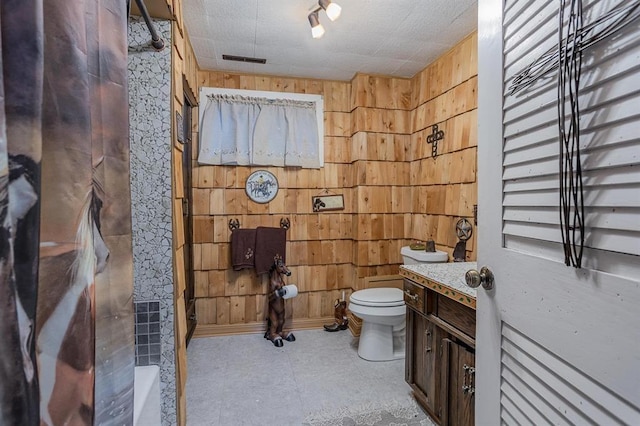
(245, 380)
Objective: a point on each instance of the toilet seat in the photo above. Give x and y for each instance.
(383, 315)
(378, 297)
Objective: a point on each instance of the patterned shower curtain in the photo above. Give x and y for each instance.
(65, 229)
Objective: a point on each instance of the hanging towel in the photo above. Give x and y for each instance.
(243, 248)
(269, 242)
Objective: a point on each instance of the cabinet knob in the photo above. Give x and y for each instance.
(474, 278)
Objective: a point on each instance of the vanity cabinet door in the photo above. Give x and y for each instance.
(458, 390)
(423, 339)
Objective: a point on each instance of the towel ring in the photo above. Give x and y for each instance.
(234, 224)
(285, 223)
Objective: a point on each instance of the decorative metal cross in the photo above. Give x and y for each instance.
(566, 59)
(433, 139)
(579, 39)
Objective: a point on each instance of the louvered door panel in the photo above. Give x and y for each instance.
(610, 139)
(539, 388)
(555, 344)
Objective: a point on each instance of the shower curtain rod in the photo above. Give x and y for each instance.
(156, 40)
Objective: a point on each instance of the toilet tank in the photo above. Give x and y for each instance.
(415, 257)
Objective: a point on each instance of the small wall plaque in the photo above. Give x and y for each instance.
(261, 186)
(327, 202)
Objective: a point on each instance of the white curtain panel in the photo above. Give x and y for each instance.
(244, 130)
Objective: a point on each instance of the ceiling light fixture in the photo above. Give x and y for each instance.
(317, 30)
(332, 9)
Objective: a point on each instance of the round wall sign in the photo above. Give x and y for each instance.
(261, 186)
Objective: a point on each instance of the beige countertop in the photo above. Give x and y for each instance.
(444, 278)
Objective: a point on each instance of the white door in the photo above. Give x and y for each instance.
(556, 344)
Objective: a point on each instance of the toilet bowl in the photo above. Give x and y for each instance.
(382, 311)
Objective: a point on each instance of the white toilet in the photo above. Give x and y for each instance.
(383, 313)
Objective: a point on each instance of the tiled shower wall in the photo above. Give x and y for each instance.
(147, 330)
(150, 137)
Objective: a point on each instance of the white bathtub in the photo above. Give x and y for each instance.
(146, 396)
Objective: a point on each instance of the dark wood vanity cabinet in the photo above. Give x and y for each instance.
(458, 385)
(440, 356)
(420, 362)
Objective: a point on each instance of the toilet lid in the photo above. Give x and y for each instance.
(378, 297)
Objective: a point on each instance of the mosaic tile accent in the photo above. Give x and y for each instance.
(150, 137)
(147, 333)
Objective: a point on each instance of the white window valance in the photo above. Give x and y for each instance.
(246, 127)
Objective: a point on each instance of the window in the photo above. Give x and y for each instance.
(247, 127)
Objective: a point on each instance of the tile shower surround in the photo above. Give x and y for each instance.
(150, 139)
(147, 333)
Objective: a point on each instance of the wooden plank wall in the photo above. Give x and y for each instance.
(184, 78)
(376, 155)
(381, 138)
(444, 189)
(319, 246)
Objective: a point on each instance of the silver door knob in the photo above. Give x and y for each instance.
(475, 278)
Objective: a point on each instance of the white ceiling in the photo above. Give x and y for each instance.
(395, 38)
